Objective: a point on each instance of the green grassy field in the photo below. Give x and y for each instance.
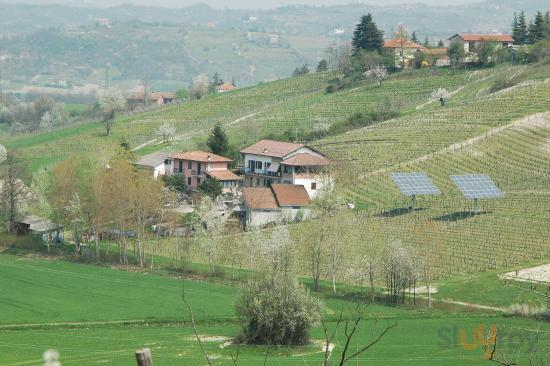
(80, 311)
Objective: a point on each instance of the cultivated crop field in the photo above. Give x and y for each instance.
(97, 315)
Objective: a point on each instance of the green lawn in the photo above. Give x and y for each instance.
(38, 292)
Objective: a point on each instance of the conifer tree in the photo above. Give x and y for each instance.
(414, 38)
(537, 28)
(426, 42)
(519, 30)
(367, 36)
(217, 141)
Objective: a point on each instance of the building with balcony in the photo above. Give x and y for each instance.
(271, 162)
(196, 166)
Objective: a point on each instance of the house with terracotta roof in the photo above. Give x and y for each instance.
(275, 204)
(472, 42)
(402, 50)
(225, 88)
(139, 99)
(196, 166)
(269, 162)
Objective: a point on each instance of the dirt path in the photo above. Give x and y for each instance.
(537, 119)
(61, 324)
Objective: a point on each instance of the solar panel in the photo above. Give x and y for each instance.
(412, 184)
(477, 186)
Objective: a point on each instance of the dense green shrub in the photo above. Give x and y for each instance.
(502, 82)
(276, 310)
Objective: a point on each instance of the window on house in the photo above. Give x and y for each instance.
(190, 165)
(313, 186)
(258, 165)
(286, 169)
(181, 166)
(189, 181)
(251, 165)
(198, 181)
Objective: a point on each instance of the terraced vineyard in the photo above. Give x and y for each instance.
(516, 155)
(248, 114)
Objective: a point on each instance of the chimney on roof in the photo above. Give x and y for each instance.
(209, 158)
(265, 149)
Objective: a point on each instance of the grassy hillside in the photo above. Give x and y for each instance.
(463, 137)
(97, 315)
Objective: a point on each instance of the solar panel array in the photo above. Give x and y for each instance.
(412, 184)
(477, 186)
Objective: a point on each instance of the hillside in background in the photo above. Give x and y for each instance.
(477, 132)
(63, 47)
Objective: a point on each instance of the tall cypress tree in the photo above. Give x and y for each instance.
(546, 30)
(367, 36)
(521, 29)
(414, 38)
(217, 141)
(426, 43)
(537, 28)
(515, 29)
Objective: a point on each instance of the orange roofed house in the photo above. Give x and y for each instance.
(196, 166)
(403, 51)
(472, 42)
(275, 204)
(269, 162)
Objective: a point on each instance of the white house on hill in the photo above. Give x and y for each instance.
(271, 162)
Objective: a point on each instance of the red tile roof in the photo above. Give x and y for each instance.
(259, 198)
(470, 37)
(279, 195)
(272, 148)
(226, 87)
(200, 156)
(396, 43)
(224, 175)
(304, 159)
(290, 195)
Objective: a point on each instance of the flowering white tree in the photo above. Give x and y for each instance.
(278, 250)
(51, 358)
(3, 154)
(54, 117)
(167, 131)
(111, 102)
(200, 86)
(378, 73)
(441, 94)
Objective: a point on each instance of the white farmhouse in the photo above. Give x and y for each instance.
(271, 162)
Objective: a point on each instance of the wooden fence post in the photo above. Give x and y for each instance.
(143, 357)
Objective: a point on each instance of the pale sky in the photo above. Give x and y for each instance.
(240, 4)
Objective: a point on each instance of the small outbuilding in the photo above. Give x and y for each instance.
(35, 225)
(275, 204)
(158, 163)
